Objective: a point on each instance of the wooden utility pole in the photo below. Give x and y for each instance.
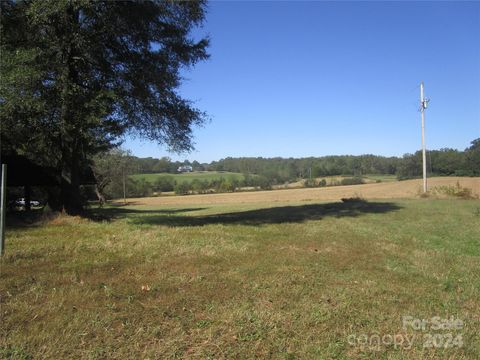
(423, 106)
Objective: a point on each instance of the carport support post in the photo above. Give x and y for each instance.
(3, 208)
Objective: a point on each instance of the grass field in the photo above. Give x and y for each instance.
(189, 177)
(383, 190)
(383, 178)
(288, 279)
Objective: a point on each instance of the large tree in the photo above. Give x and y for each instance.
(111, 167)
(77, 75)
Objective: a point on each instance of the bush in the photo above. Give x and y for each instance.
(164, 183)
(354, 199)
(263, 183)
(352, 181)
(182, 188)
(464, 173)
(322, 183)
(225, 186)
(138, 188)
(455, 191)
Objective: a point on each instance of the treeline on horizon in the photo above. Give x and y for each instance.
(443, 162)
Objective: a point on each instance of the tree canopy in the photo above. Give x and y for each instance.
(78, 75)
(442, 162)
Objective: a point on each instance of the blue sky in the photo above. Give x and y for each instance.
(297, 79)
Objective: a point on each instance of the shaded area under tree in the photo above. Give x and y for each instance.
(272, 215)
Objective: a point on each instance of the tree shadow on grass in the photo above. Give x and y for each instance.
(113, 213)
(274, 215)
(37, 217)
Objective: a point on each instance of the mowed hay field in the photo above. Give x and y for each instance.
(284, 279)
(386, 190)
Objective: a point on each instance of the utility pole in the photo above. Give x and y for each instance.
(423, 107)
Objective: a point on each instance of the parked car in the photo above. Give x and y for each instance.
(21, 202)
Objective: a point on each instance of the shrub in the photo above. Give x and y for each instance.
(352, 181)
(226, 186)
(354, 199)
(199, 186)
(455, 191)
(263, 183)
(423, 194)
(139, 188)
(182, 188)
(464, 173)
(164, 183)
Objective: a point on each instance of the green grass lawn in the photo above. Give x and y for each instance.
(303, 280)
(189, 177)
(382, 178)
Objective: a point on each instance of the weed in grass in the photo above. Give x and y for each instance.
(14, 353)
(454, 191)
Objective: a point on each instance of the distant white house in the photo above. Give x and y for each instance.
(185, 168)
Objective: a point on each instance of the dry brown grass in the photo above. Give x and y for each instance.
(386, 190)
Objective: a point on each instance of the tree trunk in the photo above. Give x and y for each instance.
(70, 161)
(101, 198)
(70, 186)
(54, 198)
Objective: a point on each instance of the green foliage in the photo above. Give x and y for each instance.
(472, 158)
(226, 185)
(265, 172)
(200, 186)
(279, 170)
(263, 183)
(410, 166)
(442, 162)
(77, 75)
(207, 175)
(14, 353)
(164, 183)
(310, 183)
(110, 169)
(182, 188)
(454, 191)
(139, 188)
(352, 181)
(272, 171)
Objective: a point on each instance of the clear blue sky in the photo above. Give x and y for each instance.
(297, 79)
